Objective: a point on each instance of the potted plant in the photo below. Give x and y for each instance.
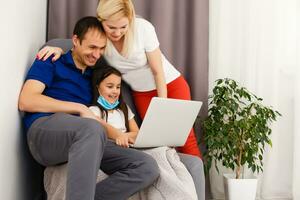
(237, 130)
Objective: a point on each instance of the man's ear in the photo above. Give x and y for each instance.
(75, 40)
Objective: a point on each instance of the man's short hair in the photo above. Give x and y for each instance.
(84, 24)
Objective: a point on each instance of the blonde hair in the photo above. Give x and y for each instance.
(114, 10)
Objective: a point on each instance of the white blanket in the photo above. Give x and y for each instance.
(174, 182)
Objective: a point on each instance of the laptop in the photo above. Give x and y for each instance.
(167, 122)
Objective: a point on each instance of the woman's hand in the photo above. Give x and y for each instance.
(47, 51)
(123, 140)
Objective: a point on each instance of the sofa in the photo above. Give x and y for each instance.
(193, 164)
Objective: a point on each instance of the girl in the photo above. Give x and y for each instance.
(121, 127)
(133, 49)
(108, 105)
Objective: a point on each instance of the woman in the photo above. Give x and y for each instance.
(133, 48)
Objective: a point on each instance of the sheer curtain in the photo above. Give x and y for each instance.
(257, 43)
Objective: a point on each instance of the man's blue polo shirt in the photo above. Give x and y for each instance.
(63, 81)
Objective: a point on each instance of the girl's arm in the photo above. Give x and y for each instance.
(47, 51)
(133, 131)
(121, 139)
(155, 63)
(112, 132)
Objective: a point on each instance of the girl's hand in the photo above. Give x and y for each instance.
(123, 140)
(132, 137)
(47, 51)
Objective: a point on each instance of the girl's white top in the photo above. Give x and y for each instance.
(115, 118)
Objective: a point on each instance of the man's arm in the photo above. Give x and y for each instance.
(32, 100)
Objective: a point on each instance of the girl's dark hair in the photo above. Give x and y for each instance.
(99, 74)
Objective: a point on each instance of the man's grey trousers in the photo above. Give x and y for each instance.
(82, 143)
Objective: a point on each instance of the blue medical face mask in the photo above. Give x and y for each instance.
(105, 104)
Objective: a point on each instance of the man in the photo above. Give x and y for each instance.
(61, 128)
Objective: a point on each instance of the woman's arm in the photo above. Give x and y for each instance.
(47, 51)
(155, 63)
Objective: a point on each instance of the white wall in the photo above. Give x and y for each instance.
(22, 31)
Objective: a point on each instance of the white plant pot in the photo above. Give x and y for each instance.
(239, 189)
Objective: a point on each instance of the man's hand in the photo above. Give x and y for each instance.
(87, 113)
